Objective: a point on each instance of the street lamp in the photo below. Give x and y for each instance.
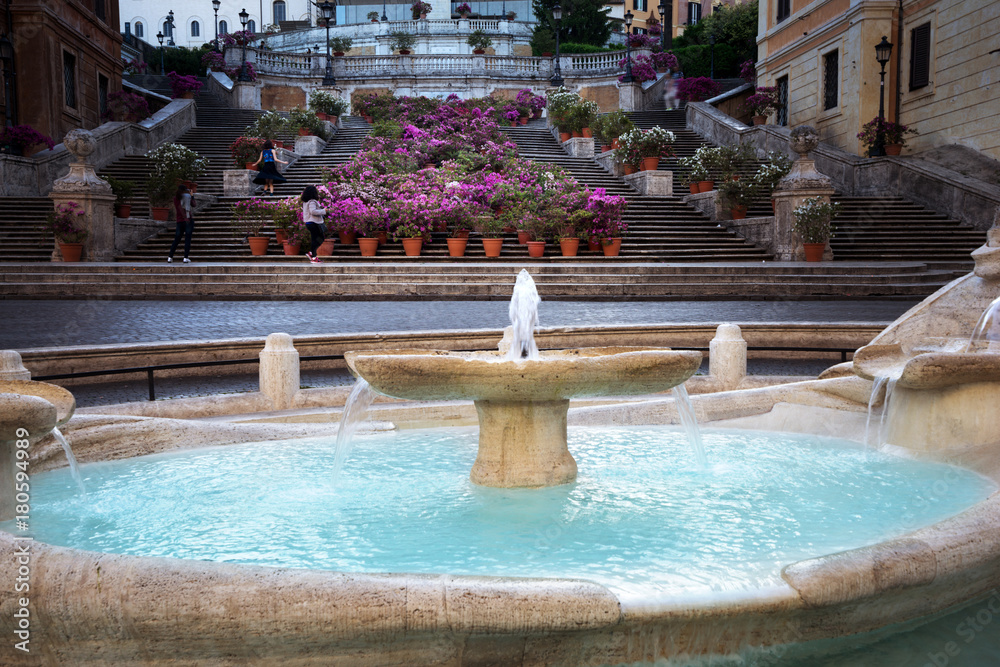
(667, 19)
(384, 17)
(244, 18)
(327, 10)
(711, 43)
(159, 38)
(883, 50)
(170, 20)
(557, 79)
(215, 6)
(628, 78)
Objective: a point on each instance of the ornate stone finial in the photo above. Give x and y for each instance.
(803, 139)
(81, 143)
(11, 367)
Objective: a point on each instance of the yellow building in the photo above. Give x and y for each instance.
(682, 12)
(943, 77)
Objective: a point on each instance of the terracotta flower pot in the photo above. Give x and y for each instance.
(292, 247)
(614, 144)
(404, 52)
(325, 248)
(594, 244)
(492, 247)
(605, 149)
(650, 163)
(814, 251)
(628, 169)
(587, 133)
(338, 53)
(893, 149)
(456, 246)
(383, 238)
(523, 237)
(479, 52)
(536, 113)
(249, 166)
(705, 186)
(523, 120)
(258, 245)
(565, 136)
(71, 252)
(536, 248)
(368, 246)
(611, 249)
(577, 135)
(348, 238)
(304, 132)
(187, 95)
(694, 188)
(368, 119)
(760, 120)
(569, 247)
(412, 247)
(123, 210)
(462, 234)
(738, 212)
(280, 235)
(160, 212)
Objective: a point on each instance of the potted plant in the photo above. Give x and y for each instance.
(326, 106)
(479, 41)
(511, 15)
(567, 232)
(372, 16)
(731, 160)
(298, 235)
(22, 139)
(269, 125)
(306, 123)
(608, 225)
(66, 224)
(126, 107)
(697, 173)
(614, 125)
(708, 160)
(246, 150)
(653, 145)
(738, 195)
(560, 102)
(814, 223)
(402, 41)
(464, 10)
(420, 10)
(490, 227)
(177, 161)
(770, 173)
(285, 214)
(123, 191)
(894, 133)
(411, 233)
(540, 227)
(184, 86)
(248, 217)
(160, 190)
(762, 104)
(340, 45)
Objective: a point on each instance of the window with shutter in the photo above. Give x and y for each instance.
(782, 116)
(69, 79)
(920, 56)
(831, 79)
(784, 10)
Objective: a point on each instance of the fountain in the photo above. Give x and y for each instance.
(522, 397)
(117, 608)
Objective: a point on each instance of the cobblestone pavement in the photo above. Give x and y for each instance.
(30, 324)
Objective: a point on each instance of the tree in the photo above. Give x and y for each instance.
(734, 27)
(583, 21)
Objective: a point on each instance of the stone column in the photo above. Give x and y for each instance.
(727, 357)
(279, 370)
(93, 194)
(801, 183)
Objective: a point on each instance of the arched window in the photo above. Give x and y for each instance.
(139, 29)
(251, 26)
(279, 11)
(195, 29)
(223, 28)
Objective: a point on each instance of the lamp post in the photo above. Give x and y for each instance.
(883, 50)
(244, 18)
(628, 78)
(215, 6)
(557, 79)
(327, 10)
(170, 20)
(384, 16)
(159, 38)
(667, 19)
(711, 43)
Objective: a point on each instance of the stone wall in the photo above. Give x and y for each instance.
(33, 177)
(282, 98)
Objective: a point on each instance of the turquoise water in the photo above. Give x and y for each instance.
(643, 517)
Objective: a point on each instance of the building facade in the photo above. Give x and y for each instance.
(941, 79)
(66, 59)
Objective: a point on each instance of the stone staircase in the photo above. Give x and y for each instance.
(21, 220)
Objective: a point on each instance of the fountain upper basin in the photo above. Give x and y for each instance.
(561, 374)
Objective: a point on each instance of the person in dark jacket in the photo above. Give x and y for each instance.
(184, 211)
(268, 174)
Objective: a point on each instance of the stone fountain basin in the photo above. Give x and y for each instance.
(929, 366)
(62, 399)
(562, 374)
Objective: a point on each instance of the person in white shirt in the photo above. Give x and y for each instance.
(312, 215)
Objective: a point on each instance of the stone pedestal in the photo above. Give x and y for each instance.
(652, 183)
(579, 147)
(93, 194)
(310, 145)
(727, 360)
(246, 95)
(11, 367)
(608, 162)
(630, 96)
(279, 370)
(801, 183)
(238, 182)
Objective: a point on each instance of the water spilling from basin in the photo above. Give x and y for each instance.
(354, 414)
(74, 468)
(523, 313)
(987, 329)
(689, 420)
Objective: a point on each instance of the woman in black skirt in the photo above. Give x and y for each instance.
(268, 174)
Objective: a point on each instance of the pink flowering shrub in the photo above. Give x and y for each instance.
(16, 138)
(66, 223)
(182, 83)
(643, 68)
(696, 89)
